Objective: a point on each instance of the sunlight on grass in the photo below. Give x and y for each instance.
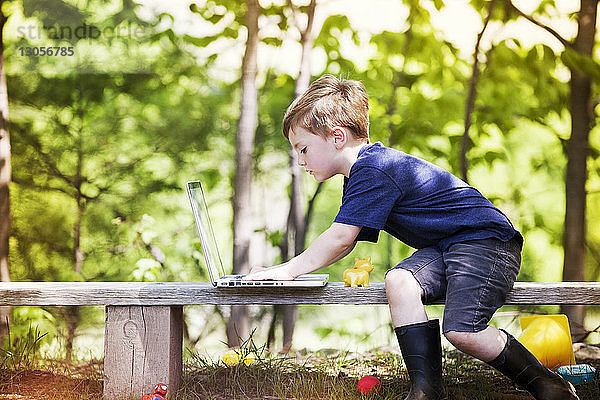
(334, 375)
(324, 374)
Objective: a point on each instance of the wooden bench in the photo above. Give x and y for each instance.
(144, 321)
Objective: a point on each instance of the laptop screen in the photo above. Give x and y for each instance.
(205, 231)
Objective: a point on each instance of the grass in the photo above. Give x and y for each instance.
(334, 376)
(21, 352)
(298, 376)
(322, 375)
(25, 375)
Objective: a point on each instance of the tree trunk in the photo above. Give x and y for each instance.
(237, 326)
(72, 318)
(72, 314)
(297, 221)
(5, 177)
(78, 255)
(576, 175)
(470, 103)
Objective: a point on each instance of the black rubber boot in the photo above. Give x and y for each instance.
(421, 349)
(517, 363)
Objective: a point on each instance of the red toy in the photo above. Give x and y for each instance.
(368, 385)
(160, 393)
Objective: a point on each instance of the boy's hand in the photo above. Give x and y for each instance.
(254, 270)
(279, 273)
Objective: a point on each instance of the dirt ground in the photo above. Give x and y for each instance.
(45, 385)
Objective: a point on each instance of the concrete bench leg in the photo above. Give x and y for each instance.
(142, 347)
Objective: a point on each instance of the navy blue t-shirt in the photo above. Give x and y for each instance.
(416, 202)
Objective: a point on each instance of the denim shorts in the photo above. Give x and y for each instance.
(474, 276)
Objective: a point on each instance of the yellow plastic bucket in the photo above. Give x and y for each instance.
(548, 338)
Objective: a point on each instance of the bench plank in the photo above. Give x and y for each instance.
(190, 293)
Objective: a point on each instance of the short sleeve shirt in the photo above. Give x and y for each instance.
(416, 202)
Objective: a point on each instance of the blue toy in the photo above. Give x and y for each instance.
(578, 373)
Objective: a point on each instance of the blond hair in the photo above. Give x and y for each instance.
(330, 102)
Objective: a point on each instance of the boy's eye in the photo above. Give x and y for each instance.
(303, 150)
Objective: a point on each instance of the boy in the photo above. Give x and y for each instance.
(467, 250)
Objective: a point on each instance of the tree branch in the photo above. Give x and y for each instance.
(561, 39)
(309, 209)
(311, 17)
(46, 159)
(295, 17)
(32, 185)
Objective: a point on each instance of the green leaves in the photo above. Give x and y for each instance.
(272, 41)
(332, 27)
(204, 41)
(119, 144)
(581, 63)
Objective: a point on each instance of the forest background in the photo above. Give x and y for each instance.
(96, 147)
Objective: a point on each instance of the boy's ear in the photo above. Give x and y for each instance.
(340, 136)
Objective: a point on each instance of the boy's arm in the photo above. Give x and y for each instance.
(333, 244)
(345, 253)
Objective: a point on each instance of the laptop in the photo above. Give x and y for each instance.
(216, 272)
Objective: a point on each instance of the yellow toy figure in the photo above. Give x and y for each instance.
(231, 358)
(359, 275)
(234, 357)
